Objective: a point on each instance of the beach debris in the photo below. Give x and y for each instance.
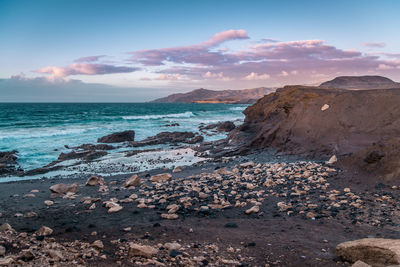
(95, 180)
(373, 251)
(63, 189)
(134, 180)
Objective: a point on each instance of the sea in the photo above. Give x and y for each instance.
(41, 131)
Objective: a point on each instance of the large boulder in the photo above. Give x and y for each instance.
(118, 137)
(64, 188)
(373, 251)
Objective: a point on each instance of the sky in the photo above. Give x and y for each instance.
(69, 50)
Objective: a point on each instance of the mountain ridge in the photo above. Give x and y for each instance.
(201, 95)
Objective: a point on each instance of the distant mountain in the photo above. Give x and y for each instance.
(360, 83)
(245, 96)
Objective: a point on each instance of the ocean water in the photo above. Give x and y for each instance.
(40, 131)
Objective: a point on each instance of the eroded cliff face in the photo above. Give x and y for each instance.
(319, 123)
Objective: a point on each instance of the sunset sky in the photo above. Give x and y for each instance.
(138, 50)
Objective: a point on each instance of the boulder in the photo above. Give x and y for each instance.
(373, 251)
(134, 180)
(163, 177)
(118, 137)
(64, 188)
(136, 250)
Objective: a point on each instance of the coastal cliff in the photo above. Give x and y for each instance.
(361, 128)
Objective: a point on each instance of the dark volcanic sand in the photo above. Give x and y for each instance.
(270, 237)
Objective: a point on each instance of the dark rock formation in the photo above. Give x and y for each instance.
(93, 147)
(225, 126)
(170, 138)
(360, 83)
(245, 96)
(118, 137)
(361, 127)
(85, 155)
(8, 163)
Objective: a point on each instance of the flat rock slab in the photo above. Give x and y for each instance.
(373, 251)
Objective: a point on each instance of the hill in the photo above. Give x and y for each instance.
(360, 83)
(245, 96)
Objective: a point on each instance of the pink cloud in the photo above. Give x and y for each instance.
(375, 44)
(89, 58)
(85, 69)
(194, 54)
(255, 76)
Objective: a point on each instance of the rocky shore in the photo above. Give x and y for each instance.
(307, 180)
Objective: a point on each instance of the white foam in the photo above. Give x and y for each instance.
(238, 108)
(187, 114)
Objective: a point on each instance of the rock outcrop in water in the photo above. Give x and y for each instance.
(362, 128)
(118, 137)
(9, 164)
(246, 96)
(170, 138)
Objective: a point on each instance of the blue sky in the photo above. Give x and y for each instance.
(36, 35)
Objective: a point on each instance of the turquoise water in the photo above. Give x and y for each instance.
(40, 131)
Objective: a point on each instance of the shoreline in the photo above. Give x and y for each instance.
(270, 236)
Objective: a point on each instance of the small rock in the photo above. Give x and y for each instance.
(44, 231)
(7, 261)
(324, 107)
(172, 246)
(55, 255)
(5, 227)
(161, 177)
(360, 264)
(134, 180)
(253, 209)
(172, 216)
(115, 208)
(2, 251)
(94, 180)
(26, 255)
(98, 244)
(332, 160)
(141, 251)
(48, 203)
(246, 165)
(177, 169)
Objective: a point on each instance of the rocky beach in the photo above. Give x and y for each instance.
(301, 177)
